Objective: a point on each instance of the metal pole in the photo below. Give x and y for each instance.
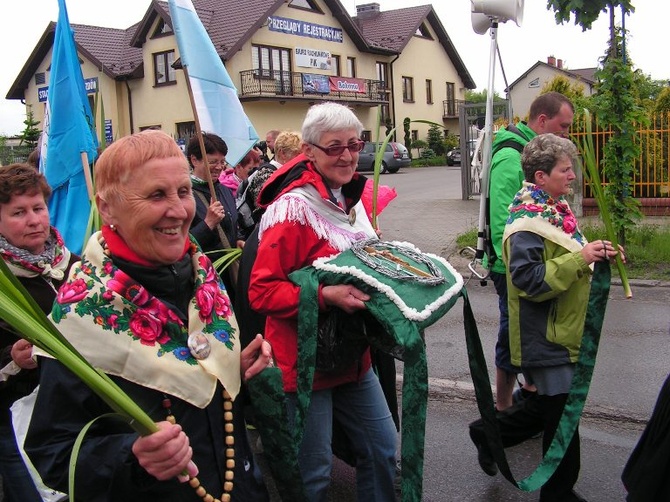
(488, 142)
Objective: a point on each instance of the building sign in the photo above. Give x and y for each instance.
(313, 58)
(109, 133)
(315, 84)
(305, 29)
(344, 84)
(91, 85)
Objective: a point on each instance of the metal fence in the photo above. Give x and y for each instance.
(651, 179)
(652, 165)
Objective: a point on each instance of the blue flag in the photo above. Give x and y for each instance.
(68, 132)
(218, 108)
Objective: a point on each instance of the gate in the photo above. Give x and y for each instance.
(472, 117)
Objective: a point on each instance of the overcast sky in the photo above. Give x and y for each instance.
(23, 22)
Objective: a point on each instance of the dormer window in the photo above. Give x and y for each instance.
(305, 5)
(422, 31)
(162, 29)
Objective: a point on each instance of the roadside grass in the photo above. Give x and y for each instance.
(647, 249)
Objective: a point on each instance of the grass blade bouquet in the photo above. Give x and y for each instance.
(593, 177)
(19, 309)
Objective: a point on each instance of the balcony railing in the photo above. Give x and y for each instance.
(451, 107)
(282, 85)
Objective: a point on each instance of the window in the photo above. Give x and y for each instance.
(429, 92)
(164, 74)
(337, 65)
(415, 134)
(185, 130)
(305, 4)
(385, 114)
(382, 74)
(40, 78)
(273, 63)
(450, 105)
(422, 31)
(408, 89)
(351, 67)
(162, 29)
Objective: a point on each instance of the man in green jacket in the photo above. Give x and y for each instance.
(549, 113)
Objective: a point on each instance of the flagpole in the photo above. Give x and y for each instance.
(198, 132)
(87, 175)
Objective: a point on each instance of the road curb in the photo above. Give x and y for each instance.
(441, 388)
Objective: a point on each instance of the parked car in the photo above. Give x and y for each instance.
(395, 157)
(454, 155)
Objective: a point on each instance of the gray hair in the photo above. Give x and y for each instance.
(543, 152)
(327, 117)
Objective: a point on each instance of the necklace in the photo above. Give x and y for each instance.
(228, 428)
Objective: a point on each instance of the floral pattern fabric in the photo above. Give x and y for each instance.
(534, 209)
(124, 330)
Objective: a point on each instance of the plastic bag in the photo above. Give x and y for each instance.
(22, 410)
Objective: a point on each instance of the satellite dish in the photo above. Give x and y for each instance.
(500, 10)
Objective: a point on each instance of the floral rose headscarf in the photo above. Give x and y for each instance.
(125, 331)
(534, 210)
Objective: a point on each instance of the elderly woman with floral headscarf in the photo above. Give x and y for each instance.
(145, 306)
(35, 253)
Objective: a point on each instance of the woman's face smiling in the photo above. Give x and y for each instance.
(155, 210)
(337, 170)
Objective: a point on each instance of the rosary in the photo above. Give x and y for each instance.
(200, 490)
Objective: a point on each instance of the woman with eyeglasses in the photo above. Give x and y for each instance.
(215, 223)
(313, 210)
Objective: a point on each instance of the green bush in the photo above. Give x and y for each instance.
(427, 153)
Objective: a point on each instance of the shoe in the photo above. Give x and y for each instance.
(573, 496)
(484, 457)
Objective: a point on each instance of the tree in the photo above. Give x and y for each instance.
(30, 136)
(662, 104)
(480, 97)
(585, 12)
(436, 140)
(617, 104)
(572, 90)
(408, 136)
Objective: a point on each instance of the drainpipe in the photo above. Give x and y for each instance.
(130, 107)
(392, 101)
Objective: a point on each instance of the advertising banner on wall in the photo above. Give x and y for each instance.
(313, 58)
(315, 84)
(345, 84)
(305, 29)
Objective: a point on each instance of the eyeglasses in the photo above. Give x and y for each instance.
(337, 150)
(219, 162)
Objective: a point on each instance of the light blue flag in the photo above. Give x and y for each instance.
(68, 131)
(218, 108)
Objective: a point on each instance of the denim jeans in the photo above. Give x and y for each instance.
(17, 484)
(362, 411)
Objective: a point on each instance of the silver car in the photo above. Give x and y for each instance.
(395, 157)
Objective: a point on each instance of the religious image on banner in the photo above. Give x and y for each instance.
(315, 84)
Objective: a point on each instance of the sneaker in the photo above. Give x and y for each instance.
(484, 457)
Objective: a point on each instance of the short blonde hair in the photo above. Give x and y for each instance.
(129, 153)
(289, 143)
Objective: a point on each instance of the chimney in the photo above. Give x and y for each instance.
(559, 64)
(551, 61)
(367, 10)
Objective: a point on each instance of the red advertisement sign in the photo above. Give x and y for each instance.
(344, 84)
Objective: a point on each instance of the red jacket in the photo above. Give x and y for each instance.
(287, 246)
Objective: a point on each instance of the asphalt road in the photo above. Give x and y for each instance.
(632, 363)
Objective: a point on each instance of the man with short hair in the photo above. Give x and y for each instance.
(270, 138)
